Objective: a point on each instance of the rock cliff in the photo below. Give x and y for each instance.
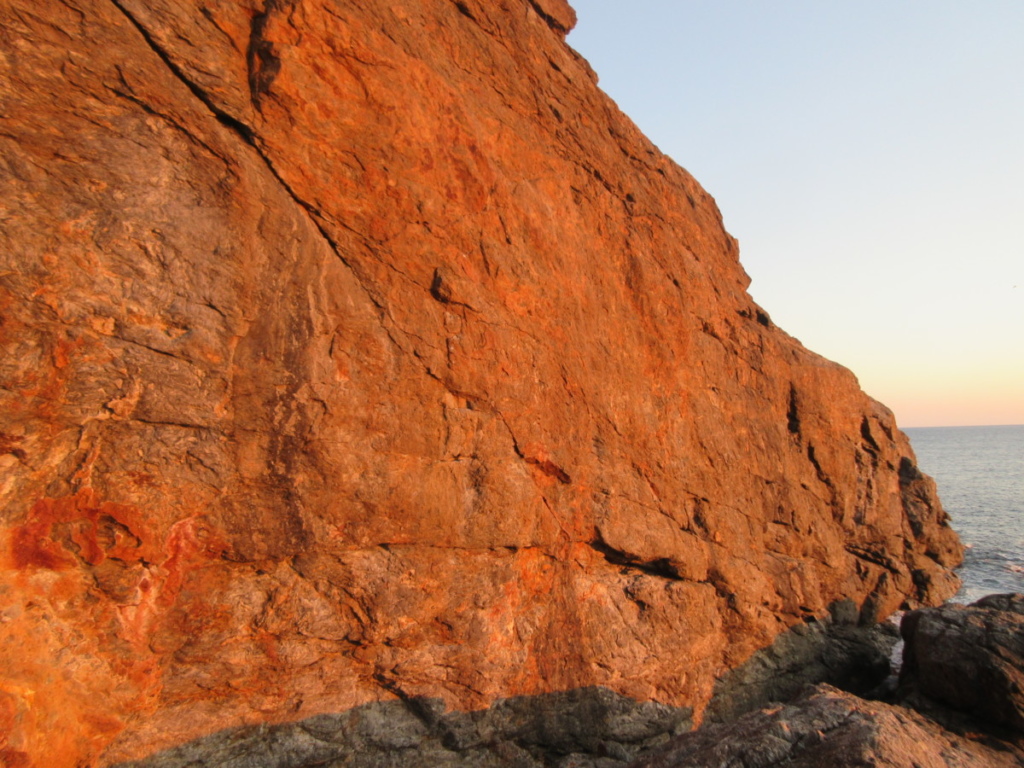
(358, 351)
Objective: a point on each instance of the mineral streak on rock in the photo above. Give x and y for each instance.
(363, 351)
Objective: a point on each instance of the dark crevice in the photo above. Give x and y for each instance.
(870, 556)
(418, 706)
(817, 467)
(441, 290)
(548, 18)
(263, 62)
(8, 446)
(237, 126)
(198, 92)
(464, 10)
(721, 587)
(662, 567)
(793, 415)
(908, 471)
(699, 517)
(179, 424)
(865, 432)
(758, 315)
(549, 468)
(709, 329)
(599, 178)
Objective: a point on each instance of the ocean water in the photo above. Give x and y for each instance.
(980, 475)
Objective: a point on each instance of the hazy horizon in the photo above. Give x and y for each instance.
(868, 159)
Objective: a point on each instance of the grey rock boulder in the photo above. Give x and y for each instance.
(969, 658)
(828, 727)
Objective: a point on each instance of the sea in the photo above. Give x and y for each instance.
(980, 475)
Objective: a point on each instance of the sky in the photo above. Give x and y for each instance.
(869, 157)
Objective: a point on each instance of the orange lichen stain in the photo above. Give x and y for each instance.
(32, 547)
(9, 756)
(534, 571)
(189, 543)
(64, 350)
(102, 724)
(142, 479)
(268, 644)
(13, 758)
(61, 533)
(80, 531)
(70, 711)
(78, 230)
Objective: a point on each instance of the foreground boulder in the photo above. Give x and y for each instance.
(828, 727)
(963, 669)
(837, 650)
(364, 352)
(969, 658)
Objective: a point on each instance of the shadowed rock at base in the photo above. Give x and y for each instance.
(969, 659)
(828, 727)
(949, 649)
(957, 706)
(586, 728)
(836, 650)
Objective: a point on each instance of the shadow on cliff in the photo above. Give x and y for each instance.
(583, 728)
(839, 650)
(590, 727)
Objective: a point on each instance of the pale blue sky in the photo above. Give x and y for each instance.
(869, 157)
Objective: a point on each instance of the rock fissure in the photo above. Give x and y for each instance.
(231, 122)
(249, 136)
(660, 567)
(177, 125)
(874, 557)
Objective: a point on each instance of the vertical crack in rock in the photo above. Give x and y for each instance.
(793, 414)
(250, 138)
(813, 458)
(236, 125)
(263, 62)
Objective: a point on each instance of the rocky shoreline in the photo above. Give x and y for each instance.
(958, 701)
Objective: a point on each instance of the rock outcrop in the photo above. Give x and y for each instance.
(835, 650)
(958, 705)
(357, 352)
(827, 727)
(969, 659)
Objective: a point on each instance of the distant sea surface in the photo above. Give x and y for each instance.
(980, 474)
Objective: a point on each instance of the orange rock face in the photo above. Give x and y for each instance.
(362, 349)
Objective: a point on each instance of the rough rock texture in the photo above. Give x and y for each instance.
(835, 650)
(354, 351)
(969, 658)
(826, 727)
(586, 728)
